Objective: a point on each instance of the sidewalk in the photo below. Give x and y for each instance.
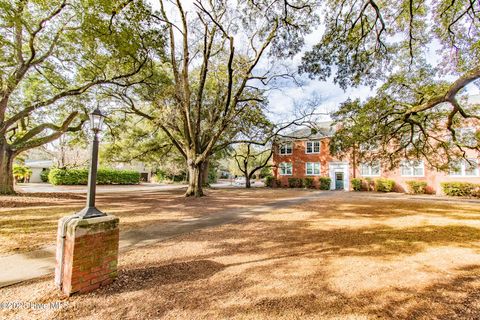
(30, 265)
(46, 187)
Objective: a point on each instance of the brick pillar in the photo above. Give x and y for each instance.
(90, 254)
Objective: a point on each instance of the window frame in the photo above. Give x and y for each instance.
(412, 168)
(463, 169)
(313, 169)
(286, 148)
(370, 167)
(281, 168)
(313, 146)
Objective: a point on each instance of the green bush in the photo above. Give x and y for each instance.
(384, 185)
(269, 181)
(294, 183)
(357, 184)
(44, 175)
(325, 183)
(417, 187)
(21, 173)
(308, 182)
(369, 184)
(459, 189)
(104, 176)
(68, 176)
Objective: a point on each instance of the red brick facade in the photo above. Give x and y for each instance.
(90, 254)
(345, 168)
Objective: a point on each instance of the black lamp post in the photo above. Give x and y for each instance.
(96, 122)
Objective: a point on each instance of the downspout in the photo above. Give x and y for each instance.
(63, 235)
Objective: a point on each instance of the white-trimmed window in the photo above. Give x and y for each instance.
(286, 169)
(312, 168)
(370, 169)
(313, 147)
(464, 168)
(285, 148)
(413, 168)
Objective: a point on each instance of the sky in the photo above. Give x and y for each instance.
(327, 93)
(282, 100)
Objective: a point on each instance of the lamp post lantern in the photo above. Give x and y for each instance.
(90, 211)
(88, 241)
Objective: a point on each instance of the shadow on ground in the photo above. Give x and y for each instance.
(325, 259)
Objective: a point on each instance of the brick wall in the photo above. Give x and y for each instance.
(299, 158)
(90, 255)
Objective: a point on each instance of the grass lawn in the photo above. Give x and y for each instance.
(343, 256)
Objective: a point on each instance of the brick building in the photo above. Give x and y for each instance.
(308, 155)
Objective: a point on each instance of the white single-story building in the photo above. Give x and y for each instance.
(37, 166)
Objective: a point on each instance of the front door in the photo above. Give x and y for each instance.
(338, 180)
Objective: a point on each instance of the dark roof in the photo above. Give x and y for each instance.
(317, 131)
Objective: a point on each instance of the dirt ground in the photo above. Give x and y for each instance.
(29, 221)
(343, 256)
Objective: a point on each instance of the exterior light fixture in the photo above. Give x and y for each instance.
(90, 211)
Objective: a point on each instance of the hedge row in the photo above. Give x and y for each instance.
(380, 184)
(307, 182)
(417, 187)
(461, 189)
(104, 176)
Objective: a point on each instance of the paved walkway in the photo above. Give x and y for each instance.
(26, 266)
(47, 188)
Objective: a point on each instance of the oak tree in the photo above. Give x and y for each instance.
(420, 108)
(53, 53)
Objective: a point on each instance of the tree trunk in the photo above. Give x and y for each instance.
(247, 181)
(205, 169)
(6, 170)
(195, 177)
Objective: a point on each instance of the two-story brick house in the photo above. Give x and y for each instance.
(306, 155)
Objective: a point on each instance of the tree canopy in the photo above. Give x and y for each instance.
(424, 53)
(214, 61)
(53, 52)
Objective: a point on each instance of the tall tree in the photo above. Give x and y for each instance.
(394, 42)
(218, 75)
(250, 159)
(53, 52)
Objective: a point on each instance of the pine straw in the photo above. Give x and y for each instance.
(341, 257)
(29, 221)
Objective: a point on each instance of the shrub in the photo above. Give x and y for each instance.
(104, 176)
(269, 181)
(44, 175)
(154, 178)
(325, 183)
(357, 184)
(369, 184)
(384, 185)
(476, 191)
(68, 176)
(294, 183)
(417, 187)
(459, 189)
(21, 173)
(308, 182)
